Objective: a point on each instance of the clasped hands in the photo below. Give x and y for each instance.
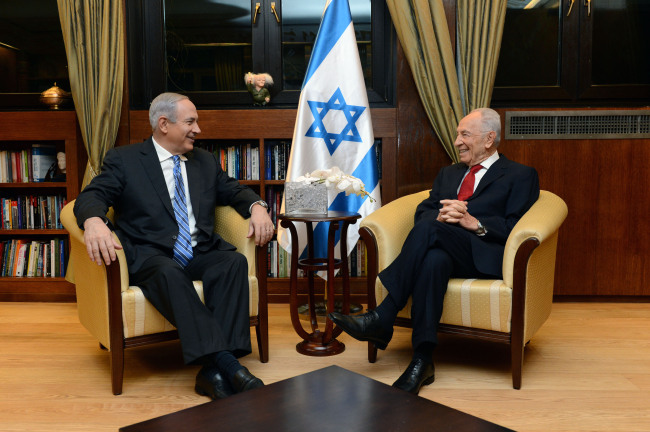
(455, 212)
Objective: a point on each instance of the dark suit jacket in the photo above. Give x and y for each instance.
(132, 182)
(504, 194)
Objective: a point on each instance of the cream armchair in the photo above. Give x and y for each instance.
(510, 310)
(120, 317)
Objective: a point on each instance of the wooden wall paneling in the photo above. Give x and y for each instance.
(604, 244)
(563, 173)
(622, 205)
(238, 124)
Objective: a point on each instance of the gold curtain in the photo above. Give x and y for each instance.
(422, 29)
(480, 28)
(93, 32)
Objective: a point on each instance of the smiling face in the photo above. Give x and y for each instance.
(178, 137)
(474, 144)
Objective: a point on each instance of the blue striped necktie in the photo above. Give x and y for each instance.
(183, 245)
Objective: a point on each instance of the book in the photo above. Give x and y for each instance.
(267, 163)
(255, 163)
(47, 271)
(43, 158)
(19, 260)
(38, 272)
(53, 256)
(31, 259)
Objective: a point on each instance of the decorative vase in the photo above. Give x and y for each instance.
(55, 96)
(302, 198)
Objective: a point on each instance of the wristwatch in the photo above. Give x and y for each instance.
(262, 203)
(480, 231)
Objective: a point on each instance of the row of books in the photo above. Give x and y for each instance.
(279, 261)
(27, 165)
(273, 197)
(32, 212)
(276, 159)
(241, 162)
(33, 258)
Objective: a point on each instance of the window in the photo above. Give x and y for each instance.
(32, 52)
(204, 48)
(585, 54)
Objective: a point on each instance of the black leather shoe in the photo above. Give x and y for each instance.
(417, 374)
(210, 383)
(364, 327)
(244, 380)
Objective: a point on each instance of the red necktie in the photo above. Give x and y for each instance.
(467, 187)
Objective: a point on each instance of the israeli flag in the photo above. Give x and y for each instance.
(333, 126)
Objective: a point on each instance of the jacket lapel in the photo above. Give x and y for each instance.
(193, 169)
(151, 166)
(456, 175)
(497, 170)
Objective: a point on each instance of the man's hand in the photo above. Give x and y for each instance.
(99, 240)
(455, 211)
(261, 225)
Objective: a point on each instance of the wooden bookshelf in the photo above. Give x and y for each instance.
(20, 131)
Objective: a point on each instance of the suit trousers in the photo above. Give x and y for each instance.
(222, 323)
(433, 253)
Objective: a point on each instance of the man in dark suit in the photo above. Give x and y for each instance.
(460, 231)
(164, 192)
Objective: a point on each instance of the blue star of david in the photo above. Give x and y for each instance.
(349, 133)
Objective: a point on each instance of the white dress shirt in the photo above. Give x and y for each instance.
(486, 164)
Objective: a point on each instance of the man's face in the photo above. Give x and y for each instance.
(260, 80)
(474, 145)
(179, 137)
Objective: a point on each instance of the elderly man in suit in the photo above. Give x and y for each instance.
(164, 192)
(460, 231)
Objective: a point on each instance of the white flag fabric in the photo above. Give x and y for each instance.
(333, 125)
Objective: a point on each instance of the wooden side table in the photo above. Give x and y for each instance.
(318, 343)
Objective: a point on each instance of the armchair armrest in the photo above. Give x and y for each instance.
(233, 228)
(541, 222)
(390, 225)
(92, 280)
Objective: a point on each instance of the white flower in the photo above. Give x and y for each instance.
(336, 178)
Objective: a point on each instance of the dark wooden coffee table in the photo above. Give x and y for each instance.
(329, 399)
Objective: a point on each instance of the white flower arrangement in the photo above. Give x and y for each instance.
(335, 178)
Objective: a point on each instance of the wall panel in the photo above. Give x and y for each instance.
(604, 245)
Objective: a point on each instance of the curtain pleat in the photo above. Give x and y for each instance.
(424, 34)
(480, 28)
(93, 32)
(448, 93)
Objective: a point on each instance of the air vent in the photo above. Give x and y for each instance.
(611, 124)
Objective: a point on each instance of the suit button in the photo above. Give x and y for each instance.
(174, 237)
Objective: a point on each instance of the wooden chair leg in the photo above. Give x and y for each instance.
(517, 360)
(262, 333)
(117, 368)
(372, 352)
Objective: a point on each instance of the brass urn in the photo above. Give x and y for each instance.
(55, 96)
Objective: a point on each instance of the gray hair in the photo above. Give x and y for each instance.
(164, 105)
(490, 121)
